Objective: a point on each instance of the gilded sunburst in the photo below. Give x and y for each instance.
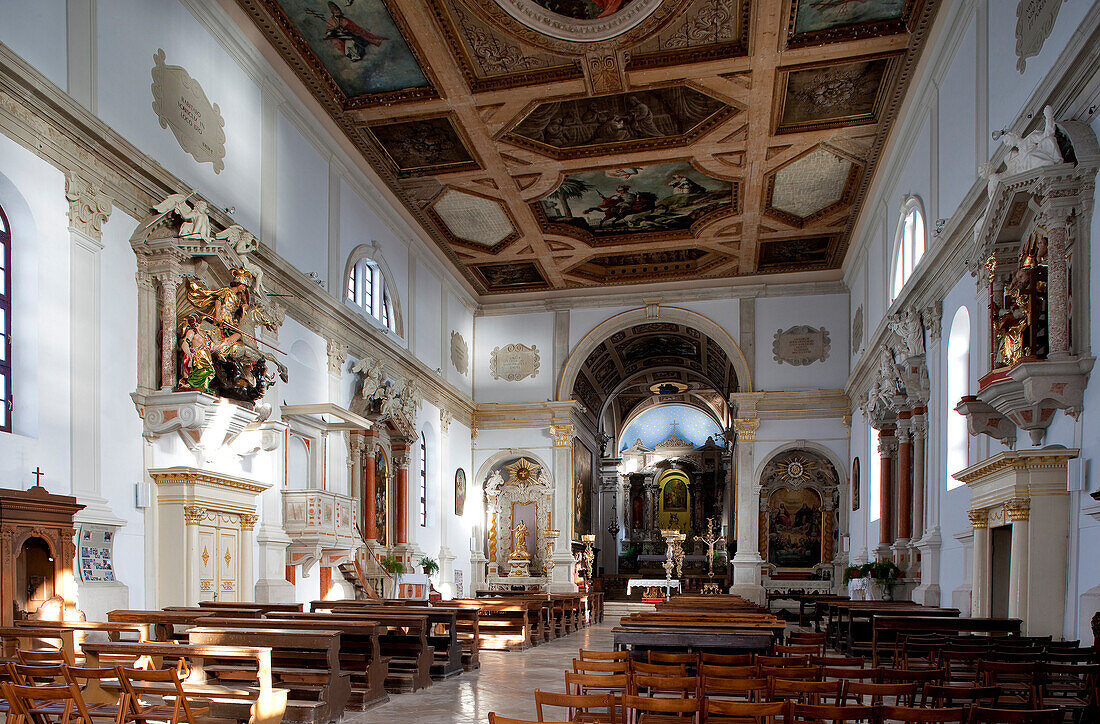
(522, 470)
(797, 467)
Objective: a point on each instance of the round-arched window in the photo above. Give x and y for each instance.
(909, 243)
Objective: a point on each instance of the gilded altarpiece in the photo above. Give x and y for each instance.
(798, 514)
(517, 490)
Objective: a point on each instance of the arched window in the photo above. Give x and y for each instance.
(6, 400)
(367, 290)
(958, 386)
(423, 481)
(908, 244)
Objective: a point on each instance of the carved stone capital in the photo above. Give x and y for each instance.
(931, 317)
(445, 419)
(978, 518)
(337, 357)
(193, 514)
(89, 207)
(746, 428)
(248, 522)
(562, 434)
(1018, 510)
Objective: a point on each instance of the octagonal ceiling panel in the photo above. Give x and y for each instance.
(551, 145)
(474, 219)
(811, 186)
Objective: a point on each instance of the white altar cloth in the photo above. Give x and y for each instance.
(655, 582)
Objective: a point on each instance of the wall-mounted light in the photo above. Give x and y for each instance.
(998, 133)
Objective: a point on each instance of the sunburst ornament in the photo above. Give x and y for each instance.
(798, 467)
(522, 470)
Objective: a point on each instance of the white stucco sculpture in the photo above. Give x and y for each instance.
(1035, 150)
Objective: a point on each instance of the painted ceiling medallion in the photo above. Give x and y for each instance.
(581, 21)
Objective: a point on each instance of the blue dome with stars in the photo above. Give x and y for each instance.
(659, 423)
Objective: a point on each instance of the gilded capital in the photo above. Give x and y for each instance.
(193, 514)
(248, 522)
(1018, 510)
(978, 518)
(746, 428)
(562, 434)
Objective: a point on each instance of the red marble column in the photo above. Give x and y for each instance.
(905, 478)
(401, 508)
(370, 493)
(886, 481)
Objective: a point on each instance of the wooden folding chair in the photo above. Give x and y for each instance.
(603, 655)
(797, 650)
(737, 689)
(948, 696)
(600, 667)
(579, 706)
(596, 683)
(683, 687)
(1074, 688)
(495, 719)
(782, 661)
(162, 683)
(726, 659)
(650, 710)
(902, 694)
(670, 657)
(803, 673)
(715, 711)
(1017, 680)
(841, 674)
(48, 704)
(804, 692)
(913, 715)
(727, 672)
(983, 715)
(96, 685)
(39, 675)
(640, 667)
(44, 657)
(854, 662)
(835, 714)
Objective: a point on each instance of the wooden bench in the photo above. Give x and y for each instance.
(888, 630)
(25, 638)
(507, 625)
(164, 623)
(854, 621)
(305, 662)
(403, 642)
(263, 608)
(695, 631)
(360, 652)
(80, 632)
(442, 633)
(254, 701)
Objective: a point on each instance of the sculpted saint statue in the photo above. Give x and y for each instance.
(219, 353)
(372, 377)
(519, 542)
(1035, 150)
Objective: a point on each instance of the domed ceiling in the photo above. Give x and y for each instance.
(568, 144)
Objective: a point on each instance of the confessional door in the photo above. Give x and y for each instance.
(219, 543)
(1001, 570)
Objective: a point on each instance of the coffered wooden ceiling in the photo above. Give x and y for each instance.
(564, 144)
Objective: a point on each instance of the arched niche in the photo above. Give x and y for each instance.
(517, 487)
(799, 489)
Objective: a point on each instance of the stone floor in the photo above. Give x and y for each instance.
(504, 684)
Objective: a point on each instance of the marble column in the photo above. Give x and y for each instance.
(1018, 513)
(370, 491)
(887, 446)
(246, 574)
(905, 481)
(1057, 290)
(649, 487)
(918, 430)
(447, 557)
(608, 532)
(401, 507)
(747, 561)
(982, 570)
(169, 287)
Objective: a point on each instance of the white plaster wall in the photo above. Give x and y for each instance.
(429, 302)
(461, 529)
(120, 426)
(957, 114)
(129, 33)
(781, 313)
(302, 215)
(583, 321)
(528, 329)
(36, 31)
(460, 319)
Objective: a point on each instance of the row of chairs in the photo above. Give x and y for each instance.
(40, 693)
(647, 710)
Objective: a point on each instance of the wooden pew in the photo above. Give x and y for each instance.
(360, 651)
(254, 701)
(305, 662)
(16, 638)
(166, 625)
(403, 642)
(263, 608)
(889, 629)
(77, 633)
(506, 624)
(641, 632)
(442, 633)
(854, 632)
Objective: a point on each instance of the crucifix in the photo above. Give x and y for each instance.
(37, 473)
(711, 540)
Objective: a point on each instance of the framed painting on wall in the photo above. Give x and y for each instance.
(855, 484)
(460, 492)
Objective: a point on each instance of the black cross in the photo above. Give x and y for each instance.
(37, 473)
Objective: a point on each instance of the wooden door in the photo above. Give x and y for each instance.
(207, 562)
(228, 563)
(219, 559)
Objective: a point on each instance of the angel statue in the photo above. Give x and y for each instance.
(196, 219)
(389, 401)
(244, 242)
(371, 369)
(519, 543)
(217, 353)
(1035, 150)
(410, 399)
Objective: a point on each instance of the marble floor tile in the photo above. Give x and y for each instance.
(504, 684)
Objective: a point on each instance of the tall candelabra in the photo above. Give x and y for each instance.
(679, 554)
(589, 554)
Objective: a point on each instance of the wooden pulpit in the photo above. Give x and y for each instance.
(36, 551)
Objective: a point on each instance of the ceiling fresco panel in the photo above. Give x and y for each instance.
(793, 254)
(645, 119)
(617, 202)
(520, 275)
(813, 22)
(423, 146)
(833, 95)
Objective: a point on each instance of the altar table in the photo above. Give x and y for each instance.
(653, 583)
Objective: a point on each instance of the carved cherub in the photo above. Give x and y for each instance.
(244, 242)
(1035, 150)
(371, 369)
(389, 401)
